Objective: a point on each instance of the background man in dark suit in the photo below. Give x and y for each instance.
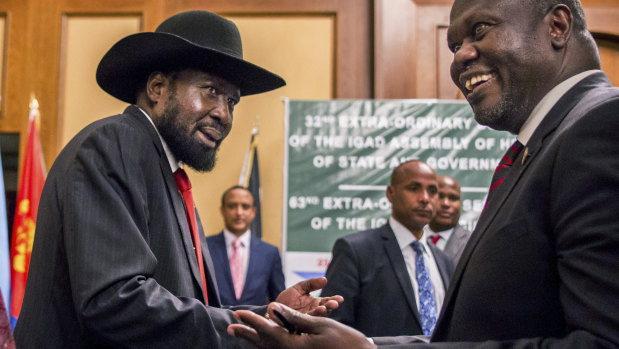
(376, 271)
(117, 258)
(540, 270)
(446, 233)
(258, 264)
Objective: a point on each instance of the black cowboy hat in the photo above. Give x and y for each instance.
(193, 39)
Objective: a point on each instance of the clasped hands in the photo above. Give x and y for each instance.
(304, 316)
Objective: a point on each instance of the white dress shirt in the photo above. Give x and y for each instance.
(174, 164)
(405, 238)
(543, 107)
(445, 235)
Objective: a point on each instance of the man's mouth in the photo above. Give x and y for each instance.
(423, 213)
(476, 80)
(444, 214)
(210, 135)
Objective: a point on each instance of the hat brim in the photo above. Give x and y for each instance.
(123, 70)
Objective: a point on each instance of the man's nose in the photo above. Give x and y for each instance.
(466, 54)
(424, 197)
(222, 111)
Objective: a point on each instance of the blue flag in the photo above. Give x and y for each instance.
(5, 266)
(250, 179)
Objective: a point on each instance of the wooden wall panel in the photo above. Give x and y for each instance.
(86, 39)
(2, 53)
(609, 54)
(13, 119)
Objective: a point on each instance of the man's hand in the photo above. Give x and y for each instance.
(298, 297)
(316, 332)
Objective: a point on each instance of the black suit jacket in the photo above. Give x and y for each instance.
(541, 268)
(113, 263)
(264, 280)
(368, 270)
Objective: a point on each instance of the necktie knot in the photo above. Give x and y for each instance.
(182, 181)
(512, 152)
(506, 162)
(416, 245)
(435, 238)
(237, 243)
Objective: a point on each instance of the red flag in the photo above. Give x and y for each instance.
(28, 195)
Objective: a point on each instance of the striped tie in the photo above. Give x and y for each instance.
(503, 168)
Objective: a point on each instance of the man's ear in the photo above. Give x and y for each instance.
(560, 21)
(389, 193)
(155, 85)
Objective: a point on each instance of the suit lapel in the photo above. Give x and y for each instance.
(173, 193)
(455, 241)
(394, 254)
(548, 125)
(255, 257)
(441, 263)
(211, 280)
(221, 258)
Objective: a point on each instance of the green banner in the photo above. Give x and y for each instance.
(340, 155)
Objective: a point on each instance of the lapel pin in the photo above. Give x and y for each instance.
(526, 152)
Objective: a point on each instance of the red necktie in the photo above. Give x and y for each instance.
(503, 168)
(435, 238)
(184, 186)
(236, 268)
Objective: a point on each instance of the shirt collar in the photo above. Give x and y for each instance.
(445, 234)
(404, 236)
(174, 164)
(544, 106)
(230, 237)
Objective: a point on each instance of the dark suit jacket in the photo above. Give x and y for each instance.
(541, 268)
(456, 243)
(264, 280)
(113, 263)
(368, 270)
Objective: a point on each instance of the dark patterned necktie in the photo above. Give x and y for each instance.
(503, 168)
(427, 304)
(184, 186)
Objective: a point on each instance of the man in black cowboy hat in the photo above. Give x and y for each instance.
(117, 260)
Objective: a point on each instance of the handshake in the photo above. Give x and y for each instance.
(301, 326)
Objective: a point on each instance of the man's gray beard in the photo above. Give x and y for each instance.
(504, 116)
